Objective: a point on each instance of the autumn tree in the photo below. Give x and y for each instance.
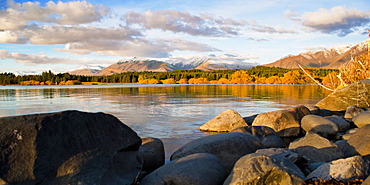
(169, 81)
(241, 77)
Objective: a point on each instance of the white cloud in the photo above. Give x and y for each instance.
(338, 20)
(202, 25)
(19, 15)
(44, 59)
(137, 47)
(64, 35)
(178, 21)
(10, 37)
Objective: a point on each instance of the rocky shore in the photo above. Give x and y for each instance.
(299, 145)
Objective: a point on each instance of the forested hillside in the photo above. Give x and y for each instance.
(259, 74)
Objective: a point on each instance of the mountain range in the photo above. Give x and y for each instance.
(204, 63)
(331, 58)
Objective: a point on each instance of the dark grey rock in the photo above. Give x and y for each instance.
(261, 169)
(315, 148)
(268, 137)
(342, 124)
(352, 111)
(152, 152)
(354, 94)
(362, 119)
(69, 147)
(319, 125)
(360, 140)
(249, 119)
(228, 147)
(284, 122)
(279, 153)
(347, 149)
(300, 111)
(343, 170)
(313, 166)
(195, 169)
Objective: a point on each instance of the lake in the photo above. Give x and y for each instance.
(171, 113)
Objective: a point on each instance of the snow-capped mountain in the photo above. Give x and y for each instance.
(23, 73)
(87, 69)
(226, 61)
(331, 58)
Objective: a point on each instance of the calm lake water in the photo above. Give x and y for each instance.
(171, 113)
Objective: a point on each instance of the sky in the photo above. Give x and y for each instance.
(60, 36)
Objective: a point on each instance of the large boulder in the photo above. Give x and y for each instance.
(343, 170)
(315, 148)
(300, 111)
(224, 122)
(319, 125)
(284, 122)
(342, 124)
(195, 169)
(362, 119)
(69, 147)
(228, 147)
(152, 152)
(268, 137)
(355, 94)
(347, 149)
(261, 169)
(282, 153)
(360, 140)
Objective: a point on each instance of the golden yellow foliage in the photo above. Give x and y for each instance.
(169, 81)
(273, 80)
(223, 81)
(241, 77)
(72, 82)
(30, 82)
(183, 81)
(198, 81)
(356, 69)
(149, 81)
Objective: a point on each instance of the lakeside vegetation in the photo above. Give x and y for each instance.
(255, 75)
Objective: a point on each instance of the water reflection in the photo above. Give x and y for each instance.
(169, 112)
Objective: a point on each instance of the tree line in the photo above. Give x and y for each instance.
(257, 75)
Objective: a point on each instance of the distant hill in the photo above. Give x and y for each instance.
(136, 65)
(331, 58)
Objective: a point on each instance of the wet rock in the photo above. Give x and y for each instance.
(224, 122)
(228, 147)
(261, 169)
(355, 94)
(268, 137)
(341, 123)
(315, 148)
(284, 122)
(352, 111)
(362, 119)
(360, 140)
(343, 170)
(319, 125)
(152, 152)
(194, 169)
(68, 147)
